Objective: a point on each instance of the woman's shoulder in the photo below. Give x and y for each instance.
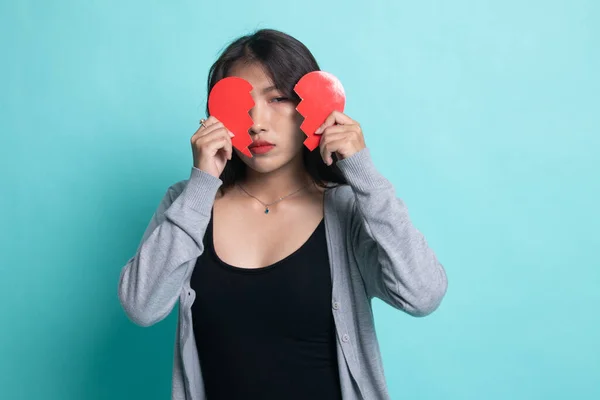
(340, 194)
(335, 188)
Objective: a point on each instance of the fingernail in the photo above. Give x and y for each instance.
(231, 134)
(318, 131)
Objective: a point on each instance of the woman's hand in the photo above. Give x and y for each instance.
(211, 147)
(341, 135)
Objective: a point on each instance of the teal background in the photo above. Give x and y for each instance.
(484, 114)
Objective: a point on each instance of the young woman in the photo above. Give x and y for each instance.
(275, 258)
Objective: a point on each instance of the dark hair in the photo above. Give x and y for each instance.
(285, 60)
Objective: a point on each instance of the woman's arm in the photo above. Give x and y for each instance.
(394, 259)
(151, 281)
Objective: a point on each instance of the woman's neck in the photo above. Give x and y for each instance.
(273, 185)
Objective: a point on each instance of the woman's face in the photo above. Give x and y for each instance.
(275, 121)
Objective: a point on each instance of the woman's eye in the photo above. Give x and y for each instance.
(279, 99)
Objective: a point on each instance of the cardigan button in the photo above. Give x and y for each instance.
(345, 338)
(336, 305)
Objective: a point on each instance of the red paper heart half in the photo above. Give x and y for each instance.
(321, 94)
(230, 101)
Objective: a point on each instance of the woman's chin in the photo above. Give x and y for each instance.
(266, 163)
(263, 165)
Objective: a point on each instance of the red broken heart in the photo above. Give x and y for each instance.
(321, 94)
(229, 101)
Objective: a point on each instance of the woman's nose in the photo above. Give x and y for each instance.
(260, 118)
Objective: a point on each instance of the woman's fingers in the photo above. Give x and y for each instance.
(330, 144)
(205, 130)
(216, 139)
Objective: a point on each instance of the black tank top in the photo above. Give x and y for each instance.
(266, 333)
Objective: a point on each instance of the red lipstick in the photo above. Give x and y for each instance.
(261, 147)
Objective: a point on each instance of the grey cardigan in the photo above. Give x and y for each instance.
(374, 251)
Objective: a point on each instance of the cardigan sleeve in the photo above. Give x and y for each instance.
(394, 259)
(151, 281)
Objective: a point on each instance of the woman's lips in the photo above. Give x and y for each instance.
(261, 149)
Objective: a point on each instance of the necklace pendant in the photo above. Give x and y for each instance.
(267, 210)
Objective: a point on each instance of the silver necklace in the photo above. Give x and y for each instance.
(275, 202)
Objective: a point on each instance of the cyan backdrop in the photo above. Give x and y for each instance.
(484, 114)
